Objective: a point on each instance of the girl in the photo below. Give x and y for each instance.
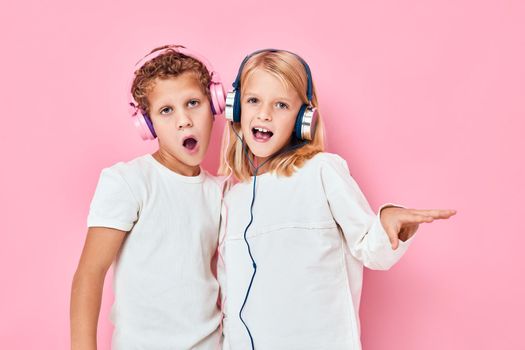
(296, 228)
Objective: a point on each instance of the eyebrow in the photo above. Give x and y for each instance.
(161, 105)
(168, 102)
(248, 93)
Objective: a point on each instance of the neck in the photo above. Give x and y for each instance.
(175, 165)
(261, 164)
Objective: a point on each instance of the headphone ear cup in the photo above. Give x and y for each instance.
(228, 111)
(237, 107)
(299, 122)
(144, 126)
(218, 99)
(233, 106)
(306, 122)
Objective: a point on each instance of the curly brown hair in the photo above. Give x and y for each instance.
(167, 65)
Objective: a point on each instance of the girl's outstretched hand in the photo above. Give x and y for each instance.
(401, 223)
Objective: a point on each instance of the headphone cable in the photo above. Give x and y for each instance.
(254, 264)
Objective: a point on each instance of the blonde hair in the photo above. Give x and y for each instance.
(288, 68)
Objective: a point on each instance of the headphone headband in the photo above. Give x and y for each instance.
(179, 49)
(217, 96)
(182, 50)
(309, 89)
(306, 120)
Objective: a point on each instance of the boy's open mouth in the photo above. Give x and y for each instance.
(190, 143)
(261, 134)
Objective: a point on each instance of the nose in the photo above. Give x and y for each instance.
(184, 121)
(265, 113)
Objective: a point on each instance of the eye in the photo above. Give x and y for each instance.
(193, 103)
(166, 110)
(281, 105)
(252, 100)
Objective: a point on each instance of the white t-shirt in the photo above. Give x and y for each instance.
(165, 291)
(311, 235)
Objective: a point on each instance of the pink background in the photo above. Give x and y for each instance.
(425, 100)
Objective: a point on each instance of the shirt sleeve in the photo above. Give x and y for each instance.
(362, 229)
(221, 265)
(113, 204)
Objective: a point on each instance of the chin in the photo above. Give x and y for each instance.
(259, 151)
(194, 161)
(263, 154)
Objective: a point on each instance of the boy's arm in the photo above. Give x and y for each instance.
(100, 249)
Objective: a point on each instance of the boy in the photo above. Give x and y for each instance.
(158, 216)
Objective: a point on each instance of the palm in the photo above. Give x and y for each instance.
(401, 223)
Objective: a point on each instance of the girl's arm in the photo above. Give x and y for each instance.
(378, 241)
(100, 249)
(364, 234)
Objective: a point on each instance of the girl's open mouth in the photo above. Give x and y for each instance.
(261, 134)
(190, 143)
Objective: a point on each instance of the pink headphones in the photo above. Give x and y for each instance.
(218, 97)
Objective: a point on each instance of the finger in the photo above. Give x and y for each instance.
(409, 219)
(435, 213)
(392, 236)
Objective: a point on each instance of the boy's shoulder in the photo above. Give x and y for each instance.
(145, 167)
(133, 167)
(220, 182)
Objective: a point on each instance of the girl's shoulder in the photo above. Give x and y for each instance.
(312, 168)
(231, 187)
(326, 159)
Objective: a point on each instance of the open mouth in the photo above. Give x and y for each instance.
(261, 134)
(189, 143)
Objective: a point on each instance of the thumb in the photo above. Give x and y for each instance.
(392, 236)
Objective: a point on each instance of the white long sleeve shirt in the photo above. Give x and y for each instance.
(311, 235)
